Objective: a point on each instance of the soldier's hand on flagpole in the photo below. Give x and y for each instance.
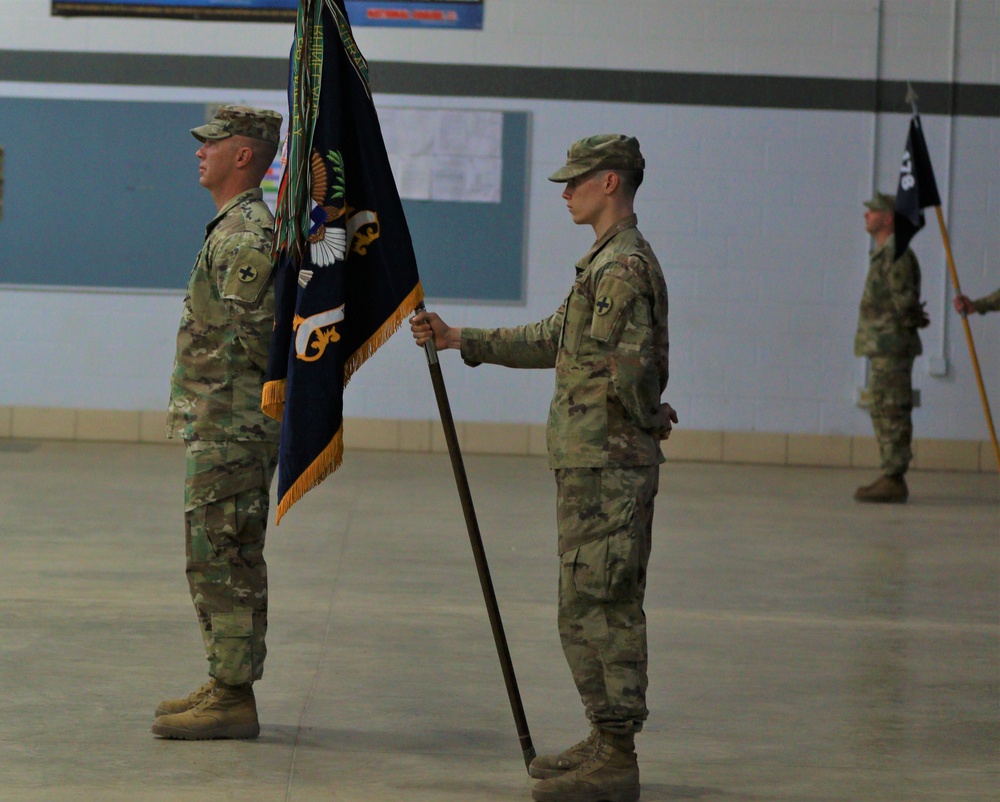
(963, 305)
(426, 325)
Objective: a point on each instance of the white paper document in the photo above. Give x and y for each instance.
(444, 155)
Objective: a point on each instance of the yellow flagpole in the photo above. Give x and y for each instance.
(968, 334)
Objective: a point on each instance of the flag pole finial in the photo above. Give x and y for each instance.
(911, 97)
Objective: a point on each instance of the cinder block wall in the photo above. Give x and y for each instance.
(752, 199)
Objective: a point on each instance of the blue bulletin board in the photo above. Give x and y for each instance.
(105, 194)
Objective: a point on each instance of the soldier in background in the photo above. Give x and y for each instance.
(215, 399)
(608, 344)
(890, 314)
(988, 303)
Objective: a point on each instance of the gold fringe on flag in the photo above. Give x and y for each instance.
(331, 457)
(272, 400)
(327, 462)
(385, 331)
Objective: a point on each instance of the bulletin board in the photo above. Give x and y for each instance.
(105, 194)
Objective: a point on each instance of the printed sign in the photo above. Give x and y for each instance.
(392, 13)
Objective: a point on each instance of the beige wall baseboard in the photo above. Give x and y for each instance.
(105, 425)
(520, 439)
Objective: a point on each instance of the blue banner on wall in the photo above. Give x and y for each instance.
(392, 13)
(449, 14)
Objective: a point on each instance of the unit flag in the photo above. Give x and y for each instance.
(917, 187)
(346, 274)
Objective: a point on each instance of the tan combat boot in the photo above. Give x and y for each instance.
(545, 766)
(884, 490)
(223, 713)
(609, 774)
(169, 706)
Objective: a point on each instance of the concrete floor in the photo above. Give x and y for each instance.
(804, 648)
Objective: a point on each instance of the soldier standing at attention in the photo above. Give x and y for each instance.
(988, 303)
(608, 344)
(232, 446)
(890, 314)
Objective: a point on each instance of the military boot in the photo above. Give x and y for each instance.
(545, 766)
(168, 706)
(884, 490)
(224, 713)
(609, 774)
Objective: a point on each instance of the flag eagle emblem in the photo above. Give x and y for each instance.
(327, 242)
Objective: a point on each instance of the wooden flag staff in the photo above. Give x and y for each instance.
(968, 334)
(478, 552)
(911, 98)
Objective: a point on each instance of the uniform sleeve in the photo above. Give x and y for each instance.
(904, 287)
(988, 303)
(624, 322)
(244, 273)
(532, 345)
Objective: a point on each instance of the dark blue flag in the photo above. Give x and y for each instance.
(346, 275)
(917, 187)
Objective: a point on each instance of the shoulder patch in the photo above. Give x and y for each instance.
(248, 277)
(614, 296)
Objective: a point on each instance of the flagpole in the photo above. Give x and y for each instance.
(917, 190)
(478, 551)
(968, 334)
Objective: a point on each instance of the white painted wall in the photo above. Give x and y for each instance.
(773, 37)
(755, 214)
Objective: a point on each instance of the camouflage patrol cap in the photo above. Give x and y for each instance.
(262, 124)
(601, 152)
(881, 202)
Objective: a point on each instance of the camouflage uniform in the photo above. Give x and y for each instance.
(988, 303)
(889, 317)
(608, 345)
(222, 347)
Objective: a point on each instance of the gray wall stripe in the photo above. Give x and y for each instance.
(456, 80)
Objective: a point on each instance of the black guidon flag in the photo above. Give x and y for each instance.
(345, 272)
(917, 187)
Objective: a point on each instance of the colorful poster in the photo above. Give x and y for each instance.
(392, 13)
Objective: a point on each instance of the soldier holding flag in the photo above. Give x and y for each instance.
(988, 303)
(918, 190)
(891, 312)
(608, 345)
